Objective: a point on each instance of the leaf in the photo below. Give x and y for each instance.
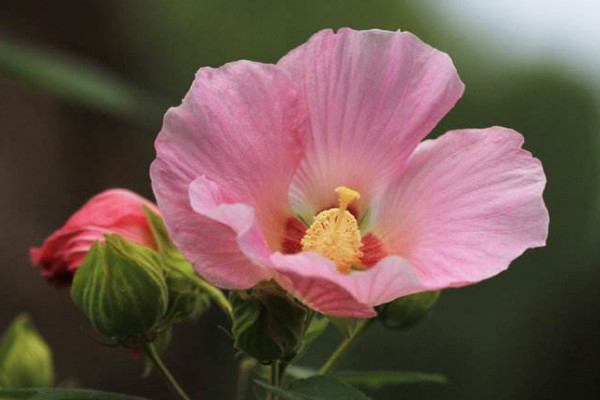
(299, 372)
(378, 379)
(62, 394)
(370, 379)
(316, 388)
(77, 81)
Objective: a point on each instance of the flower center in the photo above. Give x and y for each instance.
(334, 233)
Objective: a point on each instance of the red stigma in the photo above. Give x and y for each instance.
(292, 238)
(372, 250)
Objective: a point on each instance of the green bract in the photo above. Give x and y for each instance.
(408, 310)
(186, 299)
(25, 358)
(267, 325)
(122, 289)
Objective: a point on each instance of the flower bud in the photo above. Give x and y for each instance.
(406, 311)
(267, 324)
(121, 288)
(115, 211)
(25, 358)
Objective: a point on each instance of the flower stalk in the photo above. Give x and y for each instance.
(152, 354)
(337, 354)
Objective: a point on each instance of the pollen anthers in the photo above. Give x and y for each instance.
(334, 233)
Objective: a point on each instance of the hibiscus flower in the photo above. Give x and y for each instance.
(312, 172)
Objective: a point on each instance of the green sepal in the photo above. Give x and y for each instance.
(122, 289)
(186, 300)
(268, 324)
(407, 311)
(25, 358)
(350, 327)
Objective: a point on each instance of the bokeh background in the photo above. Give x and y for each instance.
(84, 85)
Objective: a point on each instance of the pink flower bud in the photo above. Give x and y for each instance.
(114, 211)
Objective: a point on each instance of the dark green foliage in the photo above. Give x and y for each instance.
(316, 388)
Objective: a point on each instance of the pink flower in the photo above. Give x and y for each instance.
(312, 172)
(115, 211)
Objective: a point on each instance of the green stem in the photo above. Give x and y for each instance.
(245, 367)
(341, 349)
(336, 355)
(150, 351)
(217, 295)
(275, 379)
(282, 368)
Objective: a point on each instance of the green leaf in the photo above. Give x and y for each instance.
(62, 394)
(378, 379)
(316, 388)
(300, 372)
(77, 81)
(370, 379)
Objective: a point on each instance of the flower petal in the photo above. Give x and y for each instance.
(241, 128)
(115, 211)
(371, 96)
(119, 210)
(315, 281)
(209, 200)
(467, 204)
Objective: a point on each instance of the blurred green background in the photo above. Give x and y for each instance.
(84, 85)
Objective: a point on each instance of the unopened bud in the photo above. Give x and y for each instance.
(25, 358)
(121, 288)
(267, 324)
(408, 310)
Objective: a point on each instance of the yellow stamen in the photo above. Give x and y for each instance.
(334, 233)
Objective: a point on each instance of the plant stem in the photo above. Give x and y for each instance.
(341, 349)
(217, 295)
(150, 351)
(274, 379)
(336, 355)
(282, 368)
(245, 367)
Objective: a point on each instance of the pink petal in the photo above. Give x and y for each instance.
(372, 96)
(116, 211)
(208, 199)
(110, 208)
(315, 281)
(239, 127)
(467, 205)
